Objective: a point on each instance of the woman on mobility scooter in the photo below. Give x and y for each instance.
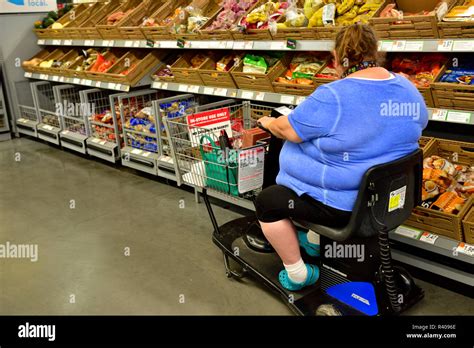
(368, 117)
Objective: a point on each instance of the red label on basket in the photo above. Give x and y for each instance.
(206, 118)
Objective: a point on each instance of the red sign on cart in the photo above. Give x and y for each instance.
(209, 123)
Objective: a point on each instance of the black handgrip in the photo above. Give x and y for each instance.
(259, 125)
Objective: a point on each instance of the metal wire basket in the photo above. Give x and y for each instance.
(27, 114)
(202, 163)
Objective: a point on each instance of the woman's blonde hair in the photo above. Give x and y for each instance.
(356, 43)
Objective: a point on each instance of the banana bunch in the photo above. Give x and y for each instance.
(260, 14)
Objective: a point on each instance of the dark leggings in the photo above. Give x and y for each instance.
(278, 202)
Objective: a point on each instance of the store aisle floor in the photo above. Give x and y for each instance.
(85, 216)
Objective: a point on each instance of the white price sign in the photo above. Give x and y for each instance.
(260, 96)
(183, 88)
(62, 79)
(66, 132)
(399, 45)
(277, 45)
(193, 89)
(222, 92)
(428, 238)
(239, 45)
(214, 44)
(408, 232)
(445, 45)
(463, 46)
(89, 43)
(414, 46)
(439, 115)
(76, 81)
(459, 117)
(299, 100)
(157, 85)
(43, 77)
(98, 84)
(248, 45)
(466, 249)
(287, 99)
(55, 78)
(229, 45)
(136, 43)
(146, 154)
(56, 42)
(136, 151)
(248, 95)
(68, 42)
(165, 85)
(128, 43)
(112, 86)
(96, 141)
(41, 42)
(28, 74)
(88, 82)
(208, 90)
(386, 46)
(103, 142)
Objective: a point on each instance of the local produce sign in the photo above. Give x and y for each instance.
(208, 122)
(15, 6)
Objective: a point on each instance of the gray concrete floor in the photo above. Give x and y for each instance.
(81, 251)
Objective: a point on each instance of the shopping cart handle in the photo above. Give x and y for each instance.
(259, 125)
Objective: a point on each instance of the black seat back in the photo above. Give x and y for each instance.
(387, 195)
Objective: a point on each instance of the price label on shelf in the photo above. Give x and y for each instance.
(165, 85)
(168, 44)
(214, 44)
(248, 95)
(414, 46)
(136, 43)
(408, 232)
(287, 99)
(68, 42)
(463, 46)
(222, 92)
(89, 43)
(386, 46)
(76, 81)
(47, 127)
(193, 89)
(229, 45)
(56, 42)
(128, 43)
(41, 42)
(239, 45)
(88, 82)
(299, 100)
(103, 142)
(399, 45)
(157, 44)
(428, 237)
(157, 85)
(112, 85)
(260, 96)
(208, 90)
(439, 115)
(459, 117)
(62, 79)
(66, 132)
(44, 77)
(445, 45)
(28, 74)
(98, 84)
(183, 88)
(96, 141)
(277, 45)
(146, 154)
(136, 151)
(466, 249)
(55, 78)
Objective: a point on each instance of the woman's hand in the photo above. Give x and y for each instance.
(266, 121)
(280, 127)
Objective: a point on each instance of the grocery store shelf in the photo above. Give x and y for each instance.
(434, 243)
(431, 45)
(85, 82)
(230, 92)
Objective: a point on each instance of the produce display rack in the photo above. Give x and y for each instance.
(146, 81)
(105, 145)
(417, 45)
(49, 125)
(73, 118)
(429, 255)
(28, 119)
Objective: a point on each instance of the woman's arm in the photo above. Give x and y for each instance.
(281, 128)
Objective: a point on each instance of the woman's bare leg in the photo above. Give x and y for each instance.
(282, 236)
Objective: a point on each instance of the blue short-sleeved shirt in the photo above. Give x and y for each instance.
(347, 127)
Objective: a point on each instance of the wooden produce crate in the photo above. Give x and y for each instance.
(87, 30)
(158, 33)
(468, 227)
(69, 17)
(212, 77)
(253, 34)
(184, 73)
(72, 72)
(452, 95)
(297, 33)
(211, 11)
(427, 92)
(258, 82)
(293, 89)
(41, 56)
(70, 56)
(454, 29)
(112, 32)
(167, 62)
(70, 29)
(216, 34)
(318, 81)
(130, 26)
(449, 225)
(425, 142)
(114, 55)
(330, 32)
(409, 27)
(55, 55)
(138, 62)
